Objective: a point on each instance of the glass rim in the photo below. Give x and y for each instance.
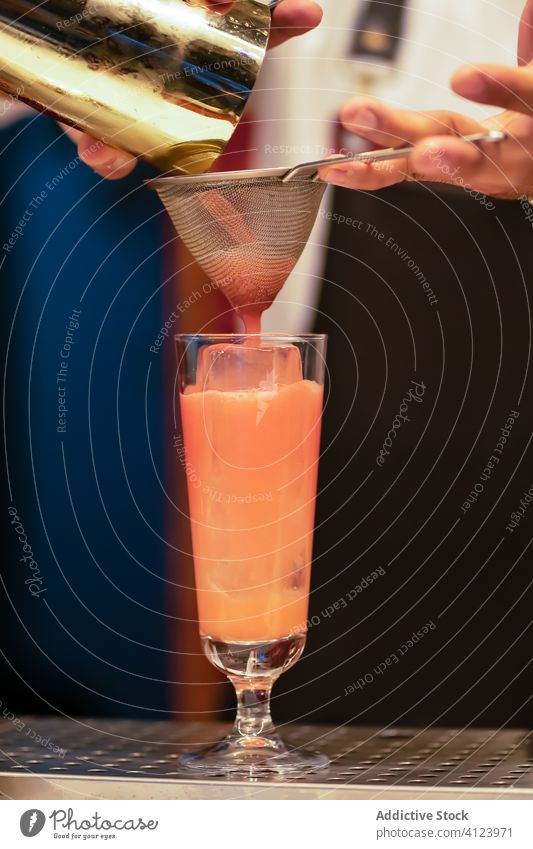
(306, 337)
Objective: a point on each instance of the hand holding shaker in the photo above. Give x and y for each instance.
(166, 80)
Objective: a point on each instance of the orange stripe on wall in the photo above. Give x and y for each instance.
(198, 690)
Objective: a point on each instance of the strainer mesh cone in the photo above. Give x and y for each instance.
(247, 234)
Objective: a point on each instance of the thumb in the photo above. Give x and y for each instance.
(525, 35)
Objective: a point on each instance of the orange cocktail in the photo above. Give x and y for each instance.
(254, 454)
(251, 410)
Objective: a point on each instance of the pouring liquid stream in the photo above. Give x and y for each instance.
(252, 322)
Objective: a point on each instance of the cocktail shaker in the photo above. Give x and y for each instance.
(166, 80)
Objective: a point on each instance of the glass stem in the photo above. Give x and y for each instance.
(253, 707)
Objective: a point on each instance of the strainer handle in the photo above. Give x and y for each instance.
(309, 169)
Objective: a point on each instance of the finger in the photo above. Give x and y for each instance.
(446, 159)
(221, 6)
(107, 161)
(366, 176)
(438, 159)
(73, 134)
(115, 169)
(502, 170)
(511, 88)
(293, 17)
(388, 127)
(525, 37)
(290, 18)
(499, 170)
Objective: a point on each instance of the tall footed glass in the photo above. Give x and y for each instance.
(251, 409)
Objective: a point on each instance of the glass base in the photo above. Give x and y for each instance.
(254, 749)
(253, 757)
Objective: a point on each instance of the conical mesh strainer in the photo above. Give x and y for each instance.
(247, 229)
(247, 234)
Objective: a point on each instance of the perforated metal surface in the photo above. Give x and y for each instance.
(131, 759)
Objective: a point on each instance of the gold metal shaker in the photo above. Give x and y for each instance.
(166, 80)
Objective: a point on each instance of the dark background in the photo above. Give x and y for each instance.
(462, 571)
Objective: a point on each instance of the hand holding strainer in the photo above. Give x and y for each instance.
(247, 229)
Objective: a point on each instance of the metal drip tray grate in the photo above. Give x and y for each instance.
(92, 758)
